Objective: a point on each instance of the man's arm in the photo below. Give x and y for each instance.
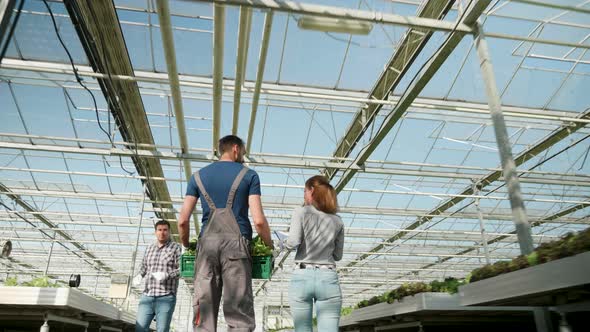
(183, 221)
(260, 222)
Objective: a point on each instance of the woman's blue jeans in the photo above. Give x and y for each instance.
(319, 286)
(162, 307)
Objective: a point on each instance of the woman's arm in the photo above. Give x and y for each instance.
(339, 245)
(296, 230)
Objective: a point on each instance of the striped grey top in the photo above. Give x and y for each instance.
(318, 236)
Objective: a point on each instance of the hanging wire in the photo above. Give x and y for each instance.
(81, 83)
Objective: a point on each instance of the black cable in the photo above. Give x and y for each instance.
(104, 58)
(79, 80)
(12, 28)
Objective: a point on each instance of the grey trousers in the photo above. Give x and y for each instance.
(223, 265)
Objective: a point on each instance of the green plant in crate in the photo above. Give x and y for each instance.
(259, 248)
(262, 260)
(187, 261)
(192, 247)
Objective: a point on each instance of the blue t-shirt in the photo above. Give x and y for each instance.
(217, 179)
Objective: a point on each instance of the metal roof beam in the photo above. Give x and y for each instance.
(241, 62)
(347, 14)
(67, 238)
(523, 157)
(99, 31)
(218, 40)
(359, 210)
(170, 55)
(571, 180)
(410, 46)
(259, 77)
(314, 94)
(422, 78)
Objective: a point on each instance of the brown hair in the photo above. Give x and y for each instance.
(227, 142)
(162, 223)
(324, 195)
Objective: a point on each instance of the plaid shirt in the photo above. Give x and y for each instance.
(161, 259)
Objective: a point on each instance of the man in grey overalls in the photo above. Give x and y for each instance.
(224, 261)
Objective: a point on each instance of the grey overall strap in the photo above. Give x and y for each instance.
(204, 192)
(234, 188)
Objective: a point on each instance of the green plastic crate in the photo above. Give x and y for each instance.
(187, 266)
(262, 267)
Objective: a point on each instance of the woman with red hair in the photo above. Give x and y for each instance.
(318, 234)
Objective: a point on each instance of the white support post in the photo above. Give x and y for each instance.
(484, 240)
(49, 255)
(523, 228)
(136, 240)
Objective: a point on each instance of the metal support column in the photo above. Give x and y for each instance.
(49, 255)
(564, 326)
(484, 240)
(523, 228)
(218, 39)
(543, 319)
(141, 207)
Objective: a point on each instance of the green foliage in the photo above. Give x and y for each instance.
(346, 311)
(362, 304)
(375, 300)
(533, 258)
(40, 282)
(570, 244)
(10, 281)
(407, 289)
(581, 242)
(488, 271)
(192, 247)
(259, 248)
(449, 285)
(518, 263)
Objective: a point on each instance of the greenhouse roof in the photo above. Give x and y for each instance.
(103, 122)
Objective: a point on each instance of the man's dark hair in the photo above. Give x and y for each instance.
(227, 142)
(162, 222)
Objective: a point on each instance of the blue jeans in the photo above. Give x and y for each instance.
(322, 287)
(162, 307)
